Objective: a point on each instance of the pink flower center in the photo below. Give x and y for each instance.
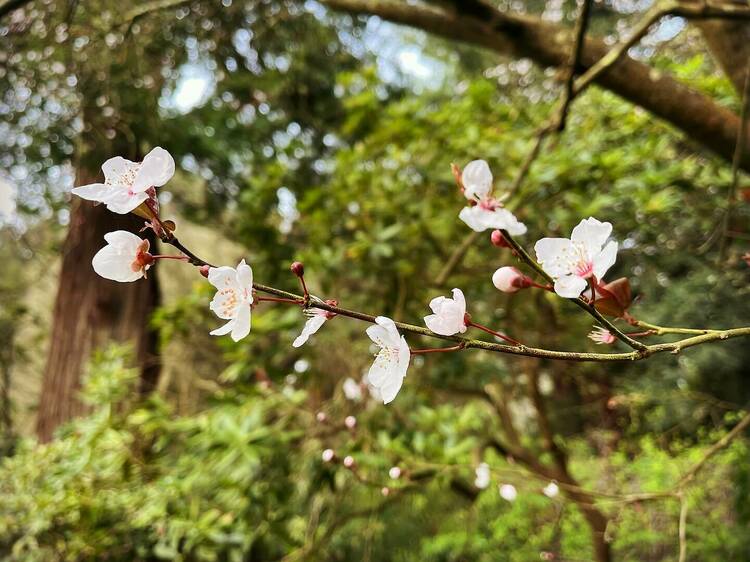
(584, 269)
(490, 204)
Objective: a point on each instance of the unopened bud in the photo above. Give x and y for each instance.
(349, 462)
(321, 417)
(204, 269)
(350, 422)
(328, 455)
(394, 472)
(498, 239)
(510, 280)
(385, 490)
(298, 268)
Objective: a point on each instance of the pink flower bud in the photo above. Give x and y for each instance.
(204, 269)
(328, 455)
(385, 490)
(394, 472)
(297, 268)
(510, 280)
(349, 462)
(498, 239)
(321, 417)
(350, 422)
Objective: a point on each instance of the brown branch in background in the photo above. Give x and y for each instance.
(698, 116)
(575, 60)
(738, 153)
(456, 257)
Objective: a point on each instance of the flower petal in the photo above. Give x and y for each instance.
(312, 325)
(553, 254)
(460, 300)
(91, 192)
(242, 323)
(119, 171)
(570, 286)
(605, 259)
(115, 263)
(223, 277)
(121, 201)
(384, 333)
(245, 278)
(156, 170)
(480, 219)
(223, 330)
(124, 239)
(477, 180)
(225, 303)
(592, 234)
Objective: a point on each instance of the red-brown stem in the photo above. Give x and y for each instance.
(641, 334)
(304, 286)
(277, 299)
(493, 332)
(181, 258)
(540, 286)
(458, 347)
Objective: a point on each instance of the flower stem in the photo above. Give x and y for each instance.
(493, 332)
(458, 347)
(180, 258)
(277, 299)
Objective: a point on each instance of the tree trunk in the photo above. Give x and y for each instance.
(729, 43)
(91, 311)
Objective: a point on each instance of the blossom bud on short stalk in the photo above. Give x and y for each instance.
(349, 462)
(204, 269)
(298, 268)
(510, 280)
(498, 239)
(350, 422)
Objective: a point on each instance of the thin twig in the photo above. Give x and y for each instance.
(738, 152)
(682, 529)
(641, 351)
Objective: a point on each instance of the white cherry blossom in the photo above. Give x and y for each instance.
(508, 492)
(449, 314)
(126, 183)
(572, 262)
(551, 490)
(485, 211)
(389, 369)
(352, 390)
(483, 476)
(125, 258)
(233, 300)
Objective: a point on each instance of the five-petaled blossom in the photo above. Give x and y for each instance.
(485, 211)
(389, 369)
(125, 258)
(316, 318)
(572, 262)
(126, 183)
(233, 300)
(449, 314)
(601, 336)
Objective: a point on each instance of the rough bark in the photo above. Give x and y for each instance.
(91, 311)
(729, 44)
(702, 119)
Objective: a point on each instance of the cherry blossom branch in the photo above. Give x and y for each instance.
(526, 258)
(641, 351)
